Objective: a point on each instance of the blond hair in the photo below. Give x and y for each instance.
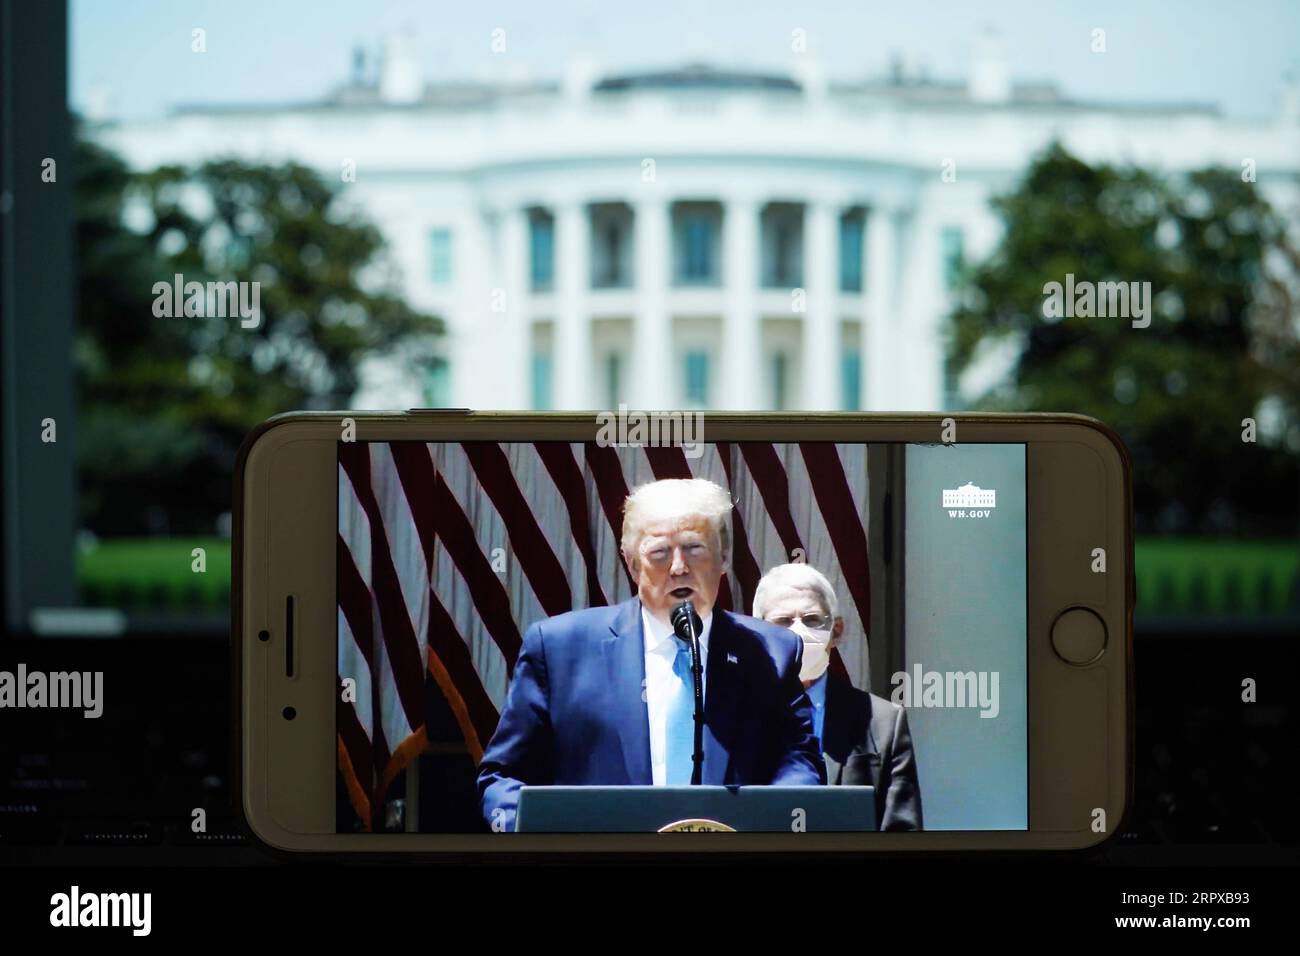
(677, 497)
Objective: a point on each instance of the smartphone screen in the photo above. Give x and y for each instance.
(898, 570)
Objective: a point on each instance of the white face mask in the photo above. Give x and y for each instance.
(816, 650)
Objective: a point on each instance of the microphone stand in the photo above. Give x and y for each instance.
(685, 619)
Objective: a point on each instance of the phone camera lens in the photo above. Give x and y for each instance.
(290, 713)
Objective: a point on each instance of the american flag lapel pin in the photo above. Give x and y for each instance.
(731, 658)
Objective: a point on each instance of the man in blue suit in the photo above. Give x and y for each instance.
(604, 696)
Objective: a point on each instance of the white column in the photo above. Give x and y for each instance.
(821, 326)
(923, 304)
(471, 255)
(573, 367)
(653, 367)
(515, 346)
(880, 348)
(742, 327)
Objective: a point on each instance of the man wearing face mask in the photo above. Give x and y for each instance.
(864, 739)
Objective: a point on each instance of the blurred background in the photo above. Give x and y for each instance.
(738, 206)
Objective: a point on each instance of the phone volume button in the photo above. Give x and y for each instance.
(438, 411)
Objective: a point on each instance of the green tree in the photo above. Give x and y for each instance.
(1177, 390)
(165, 401)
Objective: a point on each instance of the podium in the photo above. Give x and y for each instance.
(754, 809)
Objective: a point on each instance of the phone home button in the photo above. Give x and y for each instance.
(1078, 636)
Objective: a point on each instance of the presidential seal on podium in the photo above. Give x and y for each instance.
(697, 826)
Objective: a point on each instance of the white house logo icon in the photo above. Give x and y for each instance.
(970, 496)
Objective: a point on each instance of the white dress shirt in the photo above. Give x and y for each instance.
(660, 649)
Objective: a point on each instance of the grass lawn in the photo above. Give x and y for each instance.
(1216, 575)
(155, 573)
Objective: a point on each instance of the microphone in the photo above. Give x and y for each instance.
(686, 622)
(687, 626)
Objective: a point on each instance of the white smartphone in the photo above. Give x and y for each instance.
(461, 632)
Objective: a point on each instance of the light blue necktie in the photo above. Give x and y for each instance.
(679, 728)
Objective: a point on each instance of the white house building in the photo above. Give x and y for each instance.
(970, 495)
(696, 237)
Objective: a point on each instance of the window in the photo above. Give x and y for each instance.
(610, 226)
(613, 379)
(698, 240)
(698, 250)
(851, 252)
(851, 380)
(782, 246)
(611, 267)
(697, 378)
(440, 256)
(613, 254)
(784, 266)
(437, 384)
(541, 249)
(952, 255)
(780, 376)
(541, 380)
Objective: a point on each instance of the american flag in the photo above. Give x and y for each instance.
(448, 551)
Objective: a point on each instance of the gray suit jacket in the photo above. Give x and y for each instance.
(867, 743)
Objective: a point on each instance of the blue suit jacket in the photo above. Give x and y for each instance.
(575, 714)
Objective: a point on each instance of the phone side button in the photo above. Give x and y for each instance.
(1078, 636)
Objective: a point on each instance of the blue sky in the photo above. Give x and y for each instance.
(1231, 54)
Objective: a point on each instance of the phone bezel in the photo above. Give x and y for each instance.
(273, 533)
